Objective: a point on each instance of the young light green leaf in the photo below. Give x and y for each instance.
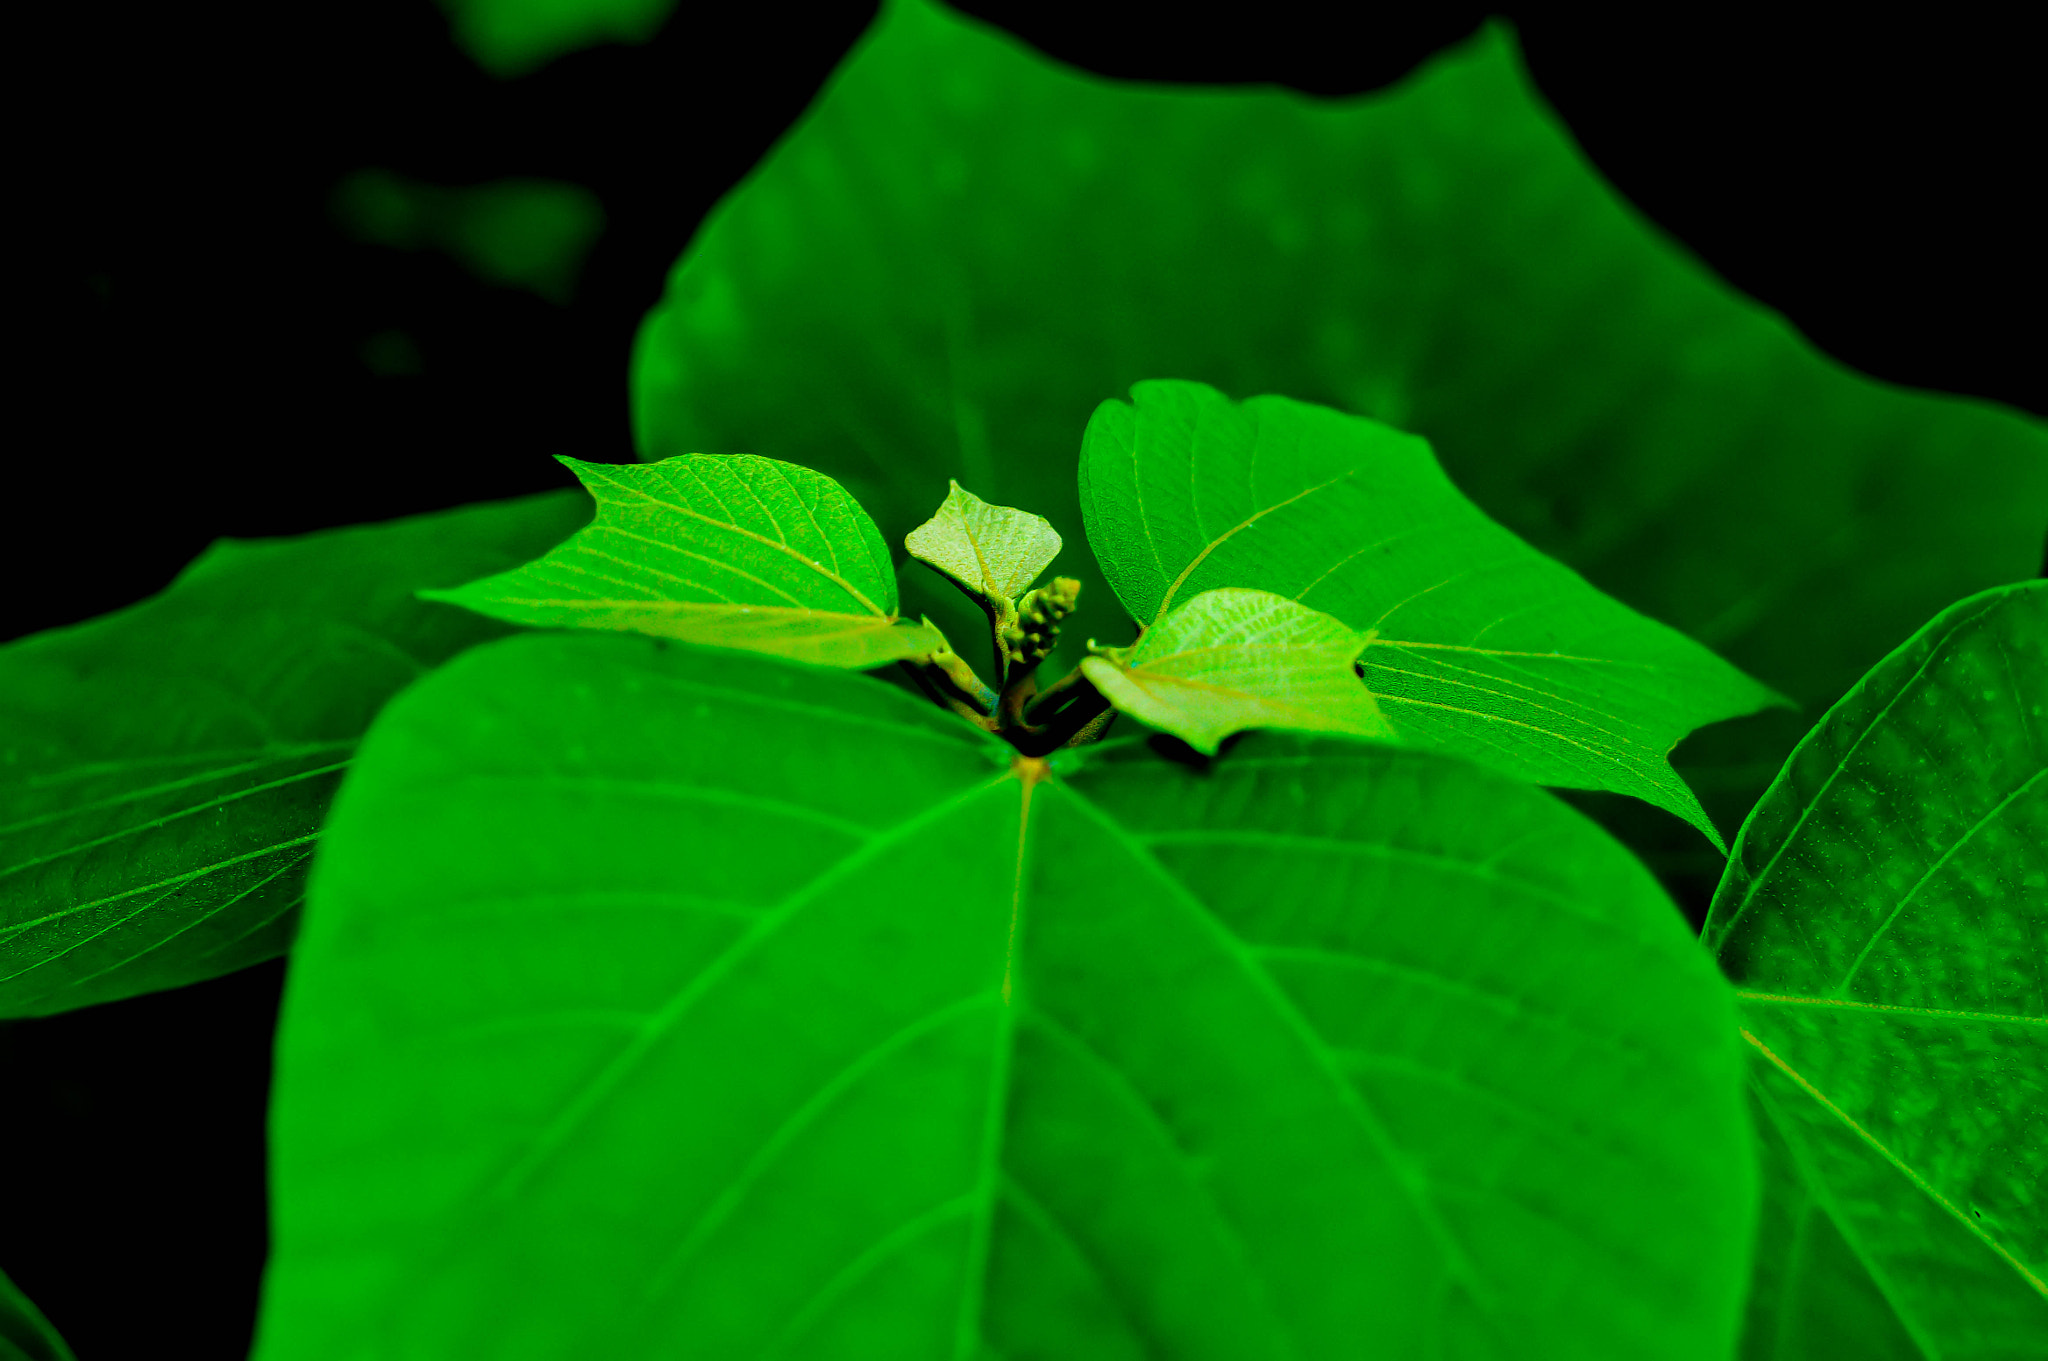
(734, 552)
(1475, 643)
(164, 770)
(654, 1003)
(963, 247)
(1228, 660)
(25, 1335)
(1885, 914)
(994, 552)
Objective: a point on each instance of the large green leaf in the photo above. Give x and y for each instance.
(660, 1002)
(1473, 642)
(964, 247)
(1885, 914)
(165, 769)
(25, 1335)
(737, 551)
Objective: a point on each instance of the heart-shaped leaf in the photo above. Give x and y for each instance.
(653, 1002)
(734, 552)
(164, 770)
(1475, 643)
(1228, 660)
(993, 552)
(1885, 914)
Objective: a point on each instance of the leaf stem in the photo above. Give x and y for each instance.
(1070, 713)
(937, 684)
(1018, 689)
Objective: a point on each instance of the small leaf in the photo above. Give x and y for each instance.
(164, 770)
(653, 1003)
(1885, 914)
(994, 552)
(1479, 645)
(1233, 659)
(734, 551)
(25, 1335)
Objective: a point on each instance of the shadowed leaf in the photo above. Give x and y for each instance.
(1228, 660)
(1885, 914)
(25, 1335)
(657, 1003)
(1476, 643)
(994, 552)
(734, 552)
(165, 769)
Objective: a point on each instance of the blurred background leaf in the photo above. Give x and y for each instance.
(519, 233)
(513, 37)
(25, 1335)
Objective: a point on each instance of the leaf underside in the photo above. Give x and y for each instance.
(727, 551)
(1884, 914)
(1228, 660)
(653, 1002)
(164, 770)
(1474, 642)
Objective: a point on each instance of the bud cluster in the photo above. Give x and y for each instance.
(1032, 633)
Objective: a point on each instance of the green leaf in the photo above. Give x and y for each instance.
(1228, 660)
(729, 551)
(1474, 642)
(656, 1003)
(164, 770)
(1885, 913)
(25, 1335)
(993, 552)
(511, 38)
(517, 233)
(963, 247)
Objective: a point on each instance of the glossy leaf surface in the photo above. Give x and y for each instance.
(1228, 660)
(1474, 642)
(964, 247)
(993, 552)
(729, 551)
(165, 769)
(25, 1335)
(1885, 914)
(655, 1002)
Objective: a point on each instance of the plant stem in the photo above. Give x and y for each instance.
(935, 681)
(1018, 689)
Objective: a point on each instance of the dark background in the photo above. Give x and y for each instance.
(194, 367)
